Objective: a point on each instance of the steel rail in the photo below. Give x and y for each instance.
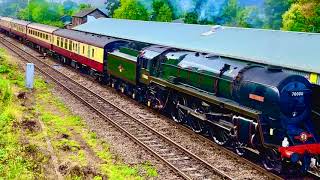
(183, 173)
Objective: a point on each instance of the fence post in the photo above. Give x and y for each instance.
(30, 75)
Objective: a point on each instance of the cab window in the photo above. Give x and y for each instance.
(145, 63)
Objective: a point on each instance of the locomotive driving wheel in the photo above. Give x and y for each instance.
(178, 114)
(221, 137)
(195, 124)
(271, 160)
(318, 162)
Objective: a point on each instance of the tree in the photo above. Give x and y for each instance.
(70, 7)
(303, 15)
(111, 6)
(161, 11)
(274, 9)
(131, 9)
(235, 15)
(44, 12)
(230, 11)
(83, 6)
(11, 7)
(191, 18)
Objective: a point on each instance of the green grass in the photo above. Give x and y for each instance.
(20, 160)
(15, 161)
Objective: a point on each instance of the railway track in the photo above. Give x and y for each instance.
(182, 161)
(179, 159)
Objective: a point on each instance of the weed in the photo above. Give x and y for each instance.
(80, 157)
(67, 145)
(5, 92)
(149, 169)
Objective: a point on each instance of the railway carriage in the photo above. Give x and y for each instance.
(41, 36)
(84, 48)
(19, 28)
(5, 24)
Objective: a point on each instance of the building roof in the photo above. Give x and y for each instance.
(88, 38)
(293, 50)
(86, 12)
(43, 27)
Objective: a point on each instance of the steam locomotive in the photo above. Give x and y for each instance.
(238, 104)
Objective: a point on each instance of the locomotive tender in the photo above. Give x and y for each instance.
(242, 105)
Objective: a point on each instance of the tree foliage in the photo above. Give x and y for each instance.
(162, 11)
(235, 15)
(11, 7)
(191, 18)
(83, 6)
(274, 9)
(131, 9)
(303, 15)
(70, 7)
(111, 6)
(44, 12)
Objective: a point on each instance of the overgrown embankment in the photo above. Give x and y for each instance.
(41, 139)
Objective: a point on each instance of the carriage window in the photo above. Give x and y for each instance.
(61, 43)
(70, 45)
(88, 53)
(82, 49)
(58, 41)
(47, 37)
(66, 44)
(92, 53)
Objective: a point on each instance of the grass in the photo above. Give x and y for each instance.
(15, 161)
(23, 152)
(58, 125)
